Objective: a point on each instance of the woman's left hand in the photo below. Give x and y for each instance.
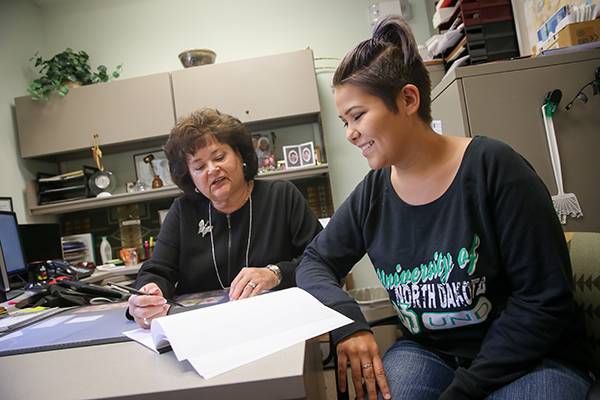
(251, 281)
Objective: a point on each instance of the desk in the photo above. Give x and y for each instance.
(130, 371)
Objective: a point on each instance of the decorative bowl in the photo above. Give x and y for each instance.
(195, 57)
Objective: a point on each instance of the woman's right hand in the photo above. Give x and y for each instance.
(361, 351)
(144, 308)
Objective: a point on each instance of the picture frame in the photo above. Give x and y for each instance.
(299, 155)
(291, 156)
(6, 204)
(307, 154)
(143, 170)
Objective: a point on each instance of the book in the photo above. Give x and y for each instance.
(225, 336)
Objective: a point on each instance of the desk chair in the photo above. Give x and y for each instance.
(584, 250)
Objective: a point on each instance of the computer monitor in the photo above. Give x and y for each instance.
(4, 281)
(11, 243)
(40, 242)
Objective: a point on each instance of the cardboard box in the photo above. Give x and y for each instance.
(576, 33)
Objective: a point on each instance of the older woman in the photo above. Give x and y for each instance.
(462, 234)
(227, 230)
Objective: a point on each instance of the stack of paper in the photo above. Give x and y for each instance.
(223, 337)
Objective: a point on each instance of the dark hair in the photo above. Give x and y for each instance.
(196, 131)
(387, 62)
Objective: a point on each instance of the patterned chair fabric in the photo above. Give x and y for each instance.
(584, 250)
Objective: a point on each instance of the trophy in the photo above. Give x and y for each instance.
(102, 182)
(156, 181)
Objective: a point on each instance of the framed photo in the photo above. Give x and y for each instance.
(291, 155)
(307, 154)
(6, 204)
(150, 164)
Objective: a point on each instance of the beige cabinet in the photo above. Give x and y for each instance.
(278, 93)
(121, 111)
(503, 100)
(257, 89)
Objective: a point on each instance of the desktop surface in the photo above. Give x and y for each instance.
(130, 371)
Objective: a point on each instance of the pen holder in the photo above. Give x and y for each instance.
(129, 256)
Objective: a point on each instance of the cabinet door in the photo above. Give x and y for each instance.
(120, 111)
(257, 89)
(507, 106)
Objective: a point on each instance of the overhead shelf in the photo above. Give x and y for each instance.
(161, 193)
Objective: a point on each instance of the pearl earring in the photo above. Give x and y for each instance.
(196, 190)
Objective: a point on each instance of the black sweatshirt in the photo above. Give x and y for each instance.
(282, 226)
(482, 272)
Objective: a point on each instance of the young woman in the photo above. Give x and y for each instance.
(463, 235)
(227, 230)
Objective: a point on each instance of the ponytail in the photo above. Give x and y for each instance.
(394, 31)
(386, 63)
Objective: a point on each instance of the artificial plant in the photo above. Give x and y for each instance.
(64, 69)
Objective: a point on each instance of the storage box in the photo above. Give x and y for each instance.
(477, 12)
(572, 34)
(492, 41)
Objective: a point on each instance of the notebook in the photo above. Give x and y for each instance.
(156, 340)
(225, 336)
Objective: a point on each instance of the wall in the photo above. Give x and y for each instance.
(147, 35)
(20, 38)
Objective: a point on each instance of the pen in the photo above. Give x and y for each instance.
(131, 290)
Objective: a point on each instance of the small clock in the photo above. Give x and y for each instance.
(102, 182)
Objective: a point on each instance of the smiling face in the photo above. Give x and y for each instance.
(381, 134)
(217, 171)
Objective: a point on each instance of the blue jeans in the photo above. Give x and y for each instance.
(416, 373)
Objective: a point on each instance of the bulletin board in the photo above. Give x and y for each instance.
(531, 14)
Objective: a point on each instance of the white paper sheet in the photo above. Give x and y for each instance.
(218, 362)
(223, 337)
(218, 328)
(142, 336)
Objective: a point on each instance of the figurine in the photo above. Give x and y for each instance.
(156, 181)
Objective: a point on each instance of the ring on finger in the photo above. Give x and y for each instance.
(367, 365)
(146, 321)
(252, 284)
